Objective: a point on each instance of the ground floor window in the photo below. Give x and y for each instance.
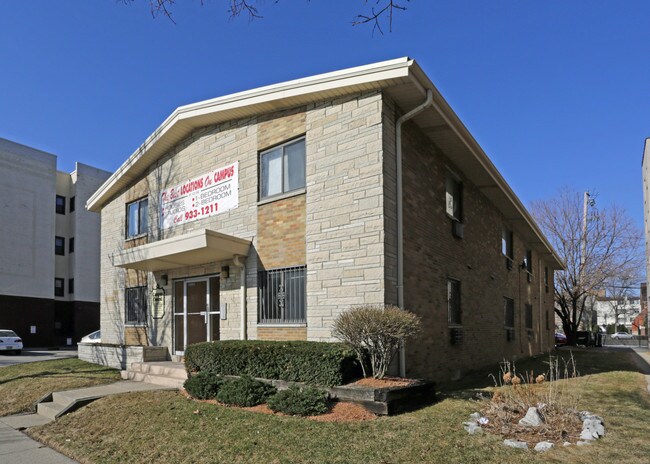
(453, 302)
(135, 305)
(509, 312)
(282, 295)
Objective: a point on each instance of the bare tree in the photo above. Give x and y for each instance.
(596, 249)
(375, 12)
(621, 291)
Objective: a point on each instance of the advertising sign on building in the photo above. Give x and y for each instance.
(204, 196)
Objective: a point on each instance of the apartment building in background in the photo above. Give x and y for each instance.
(49, 254)
(267, 213)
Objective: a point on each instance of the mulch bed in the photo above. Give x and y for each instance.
(383, 383)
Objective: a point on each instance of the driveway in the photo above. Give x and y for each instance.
(32, 355)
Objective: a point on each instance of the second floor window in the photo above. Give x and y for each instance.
(59, 245)
(60, 204)
(59, 289)
(454, 199)
(506, 243)
(137, 218)
(282, 169)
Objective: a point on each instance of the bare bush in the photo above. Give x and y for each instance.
(554, 394)
(378, 330)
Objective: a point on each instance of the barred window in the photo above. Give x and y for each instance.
(282, 296)
(509, 312)
(453, 302)
(135, 305)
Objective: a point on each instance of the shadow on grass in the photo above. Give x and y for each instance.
(589, 361)
(59, 375)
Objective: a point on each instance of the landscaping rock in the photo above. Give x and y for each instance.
(592, 427)
(475, 416)
(516, 444)
(584, 443)
(543, 446)
(567, 443)
(532, 418)
(472, 428)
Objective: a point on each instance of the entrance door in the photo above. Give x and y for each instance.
(196, 311)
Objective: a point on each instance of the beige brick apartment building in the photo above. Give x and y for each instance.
(265, 214)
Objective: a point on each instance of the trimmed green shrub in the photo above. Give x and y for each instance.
(244, 391)
(296, 401)
(315, 363)
(203, 385)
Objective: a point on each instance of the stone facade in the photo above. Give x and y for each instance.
(342, 227)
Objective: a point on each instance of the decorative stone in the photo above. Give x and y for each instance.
(472, 428)
(475, 416)
(567, 443)
(584, 443)
(515, 444)
(532, 418)
(592, 426)
(543, 446)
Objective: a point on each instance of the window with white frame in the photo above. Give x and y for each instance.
(282, 169)
(453, 303)
(282, 295)
(137, 218)
(135, 305)
(453, 195)
(506, 243)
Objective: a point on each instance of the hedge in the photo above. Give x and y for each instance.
(315, 363)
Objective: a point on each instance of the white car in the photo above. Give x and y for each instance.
(622, 336)
(95, 337)
(9, 341)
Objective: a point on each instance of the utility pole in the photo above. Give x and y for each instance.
(587, 202)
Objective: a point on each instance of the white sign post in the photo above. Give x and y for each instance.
(204, 196)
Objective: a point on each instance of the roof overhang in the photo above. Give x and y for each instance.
(195, 248)
(401, 79)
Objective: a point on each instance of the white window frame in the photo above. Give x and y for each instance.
(283, 191)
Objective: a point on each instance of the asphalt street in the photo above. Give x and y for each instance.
(31, 355)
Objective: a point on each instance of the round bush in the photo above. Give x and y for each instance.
(244, 391)
(203, 385)
(308, 401)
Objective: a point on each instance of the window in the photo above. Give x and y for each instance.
(59, 246)
(509, 312)
(453, 302)
(528, 260)
(72, 204)
(529, 317)
(454, 198)
(282, 295)
(282, 169)
(546, 278)
(137, 218)
(71, 245)
(506, 243)
(70, 285)
(59, 289)
(136, 305)
(60, 204)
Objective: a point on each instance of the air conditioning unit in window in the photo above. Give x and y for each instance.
(458, 229)
(510, 334)
(456, 336)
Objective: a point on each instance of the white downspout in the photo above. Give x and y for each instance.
(400, 214)
(242, 304)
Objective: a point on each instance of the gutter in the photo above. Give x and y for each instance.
(400, 211)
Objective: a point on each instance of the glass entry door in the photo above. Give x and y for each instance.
(196, 311)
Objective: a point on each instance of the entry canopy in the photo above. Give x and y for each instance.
(198, 247)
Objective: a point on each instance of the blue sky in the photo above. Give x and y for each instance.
(557, 93)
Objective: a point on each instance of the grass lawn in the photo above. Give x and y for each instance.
(163, 427)
(21, 385)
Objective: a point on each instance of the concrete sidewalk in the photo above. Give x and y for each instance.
(18, 448)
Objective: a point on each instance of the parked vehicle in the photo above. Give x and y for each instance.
(560, 339)
(95, 337)
(9, 341)
(622, 336)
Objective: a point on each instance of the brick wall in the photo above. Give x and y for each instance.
(282, 333)
(281, 233)
(432, 254)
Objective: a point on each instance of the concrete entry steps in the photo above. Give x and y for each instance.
(56, 404)
(165, 373)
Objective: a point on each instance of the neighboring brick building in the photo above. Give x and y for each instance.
(295, 187)
(49, 255)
